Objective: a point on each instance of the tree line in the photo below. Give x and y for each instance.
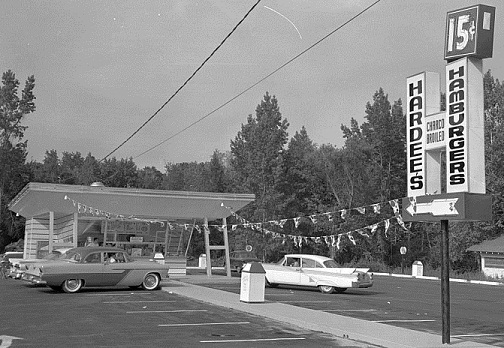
(290, 177)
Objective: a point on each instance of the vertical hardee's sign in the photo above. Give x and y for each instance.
(422, 100)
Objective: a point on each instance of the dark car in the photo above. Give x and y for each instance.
(94, 267)
(239, 258)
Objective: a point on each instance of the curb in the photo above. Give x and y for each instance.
(455, 280)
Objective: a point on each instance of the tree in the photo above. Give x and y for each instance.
(150, 178)
(122, 173)
(13, 173)
(257, 153)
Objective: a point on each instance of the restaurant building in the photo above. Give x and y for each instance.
(144, 222)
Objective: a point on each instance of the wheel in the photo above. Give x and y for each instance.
(151, 281)
(271, 285)
(72, 285)
(340, 290)
(326, 289)
(55, 288)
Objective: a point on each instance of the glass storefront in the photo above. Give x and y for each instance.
(138, 238)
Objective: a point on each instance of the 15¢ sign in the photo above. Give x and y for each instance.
(469, 32)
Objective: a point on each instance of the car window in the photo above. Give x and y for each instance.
(93, 258)
(113, 257)
(331, 264)
(71, 255)
(293, 262)
(308, 263)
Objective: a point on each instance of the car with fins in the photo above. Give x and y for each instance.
(316, 271)
(87, 267)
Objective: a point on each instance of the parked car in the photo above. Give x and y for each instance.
(6, 262)
(96, 267)
(316, 271)
(19, 266)
(238, 259)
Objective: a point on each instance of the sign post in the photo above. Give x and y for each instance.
(454, 137)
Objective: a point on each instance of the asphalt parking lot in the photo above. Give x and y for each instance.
(40, 317)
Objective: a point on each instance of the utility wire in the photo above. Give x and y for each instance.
(184, 84)
(262, 79)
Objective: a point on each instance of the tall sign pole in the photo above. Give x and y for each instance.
(445, 150)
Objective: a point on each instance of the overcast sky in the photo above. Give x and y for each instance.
(102, 68)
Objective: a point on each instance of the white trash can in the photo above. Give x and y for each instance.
(202, 261)
(417, 269)
(253, 281)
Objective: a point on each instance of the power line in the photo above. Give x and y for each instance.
(185, 83)
(261, 80)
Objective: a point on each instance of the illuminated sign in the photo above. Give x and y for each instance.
(469, 32)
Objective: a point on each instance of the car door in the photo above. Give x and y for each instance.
(90, 269)
(308, 265)
(114, 267)
(289, 272)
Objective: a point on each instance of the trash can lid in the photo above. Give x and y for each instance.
(253, 267)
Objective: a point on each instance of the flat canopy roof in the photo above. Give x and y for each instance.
(36, 199)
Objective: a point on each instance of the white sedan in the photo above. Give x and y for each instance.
(316, 271)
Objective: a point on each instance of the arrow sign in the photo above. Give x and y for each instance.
(6, 341)
(437, 207)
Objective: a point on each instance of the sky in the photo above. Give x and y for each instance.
(103, 68)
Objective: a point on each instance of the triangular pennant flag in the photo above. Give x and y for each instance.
(395, 205)
(401, 222)
(349, 234)
(343, 214)
(234, 227)
(374, 228)
(313, 218)
(338, 242)
(361, 210)
(330, 217)
(376, 208)
(363, 233)
(282, 223)
(297, 221)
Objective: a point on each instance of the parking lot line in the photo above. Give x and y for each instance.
(401, 320)
(208, 324)
(349, 310)
(172, 311)
(119, 294)
(139, 301)
(256, 340)
(301, 301)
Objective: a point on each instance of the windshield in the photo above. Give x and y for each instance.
(330, 264)
(71, 255)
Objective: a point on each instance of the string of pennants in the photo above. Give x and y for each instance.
(331, 240)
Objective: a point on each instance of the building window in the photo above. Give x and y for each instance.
(494, 262)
